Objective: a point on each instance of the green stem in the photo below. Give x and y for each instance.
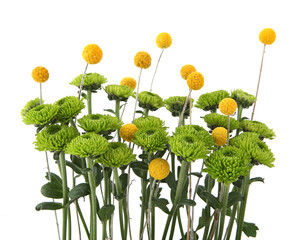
(117, 111)
(173, 226)
(146, 112)
(231, 221)
(173, 164)
(239, 113)
(69, 223)
(93, 199)
(223, 210)
(106, 199)
(83, 220)
(89, 100)
(180, 224)
(152, 225)
(143, 203)
(65, 194)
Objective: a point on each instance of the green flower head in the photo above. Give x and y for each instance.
(150, 101)
(87, 145)
(41, 114)
(55, 137)
(151, 138)
(149, 121)
(243, 98)
(29, 105)
(255, 148)
(188, 146)
(69, 107)
(210, 101)
(92, 81)
(214, 120)
(117, 154)
(257, 127)
(175, 105)
(118, 92)
(227, 164)
(102, 124)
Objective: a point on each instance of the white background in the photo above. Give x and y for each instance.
(220, 38)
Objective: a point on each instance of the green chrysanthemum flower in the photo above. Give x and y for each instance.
(41, 114)
(117, 154)
(149, 121)
(55, 137)
(92, 81)
(214, 120)
(102, 124)
(151, 138)
(255, 148)
(188, 146)
(227, 164)
(150, 101)
(198, 132)
(243, 98)
(118, 92)
(87, 145)
(29, 105)
(175, 105)
(257, 127)
(69, 107)
(210, 101)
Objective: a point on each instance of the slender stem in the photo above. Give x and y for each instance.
(252, 117)
(173, 226)
(223, 210)
(127, 201)
(69, 223)
(83, 220)
(181, 117)
(239, 113)
(117, 111)
(106, 198)
(40, 90)
(156, 70)
(137, 95)
(228, 131)
(180, 224)
(89, 100)
(207, 209)
(82, 81)
(189, 207)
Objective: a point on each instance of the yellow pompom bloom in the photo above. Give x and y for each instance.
(219, 135)
(142, 59)
(40, 74)
(92, 54)
(186, 70)
(164, 40)
(128, 81)
(159, 168)
(267, 36)
(228, 106)
(127, 131)
(195, 80)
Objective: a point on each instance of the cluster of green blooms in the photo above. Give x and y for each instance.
(242, 98)
(149, 121)
(118, 92)
(257, 127)
(150, 101)
(92, 81)
(176, 104)
(214, 120)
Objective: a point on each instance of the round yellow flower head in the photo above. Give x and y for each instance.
(164, 40)
(40, 74)
(92, 54)
(228, 106)
(142, 59)
(159, 168)
(186, 70)
(267, 36)
(219, 135)
(127, 131)
(195, 80)
(128, 81)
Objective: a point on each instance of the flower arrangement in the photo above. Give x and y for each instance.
(101, 150)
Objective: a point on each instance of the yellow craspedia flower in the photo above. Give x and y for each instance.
(164, 40)
(142, 59)
(195, 80)
(127, 131)
(92, 54)
(219, 135)
(129, 81)
(186, 70)
(267, 36)
(40, 74)
(159, 168)
(228, 106)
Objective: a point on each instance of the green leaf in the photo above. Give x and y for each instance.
(76, 160)
(161, 203)
(98, 175)
(48, 206)
(160, 153)
(105, 212)
(123, 105)
(110, 110)
(124, 181)
(54, 178)
(56, 155)
(52, 190)
(250, 229)
(256, 179)
(74, 167)
(79, 190)
(212, 200)
(84, 95)
(140, 169)
(187, 202)
(170, 181)
(141, 112)
(233, 198)
(207, 179)
(202, 220)
(197, 174)
(143, 156)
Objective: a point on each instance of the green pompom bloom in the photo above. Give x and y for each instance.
(151, 138)
(255, 148)
(117, 154)
(149, 121)
(175, 105)
(150, 101)
(92, 81)
(210, 101)
(257, 127)
(69, 107)
(41, 114)
(118, 92)
(214, 120)
(227, 164)
(29, 105)
(55, 137)
(243, 98)
(87, 145)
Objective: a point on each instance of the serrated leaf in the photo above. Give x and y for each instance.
(48, 206)
(52, 190)
(80, 190)
(250, 229)
(202, 220)
(212, 200)
(161, 203)
(105, 212)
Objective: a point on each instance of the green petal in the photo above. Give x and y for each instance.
(210, 101)
(243, 98)
(118, 92)
(149, 121)
(214, 120)
(150, 101)
(257, 127)
(92, 81)
(175, 105)
(41, 114)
